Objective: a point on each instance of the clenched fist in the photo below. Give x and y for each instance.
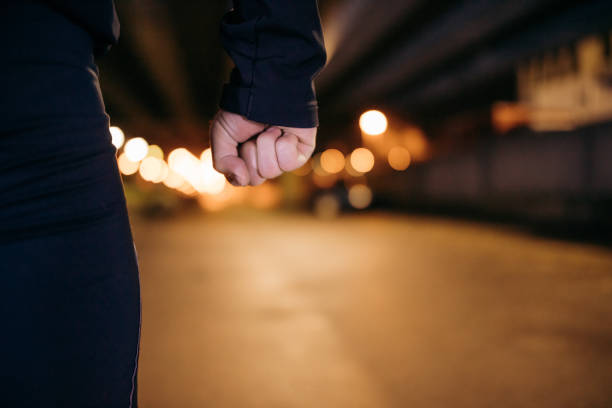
(248, 152)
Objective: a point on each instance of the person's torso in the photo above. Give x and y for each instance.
(97, 17)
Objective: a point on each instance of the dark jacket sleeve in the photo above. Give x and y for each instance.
(277, 48)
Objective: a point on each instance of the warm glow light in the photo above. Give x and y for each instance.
(332, 161)
(399, 158)
(163, 172)
(360, 196)
(180, 160)
(199, 173)
(155, 151)
(136, 149)
(362, 160)
(173, 179)
(152, 169)
(373, 122)
(209, 180)
(415, 141)
(316, 165)
(117, 136)
(349, 168)
(206, 155)
(126, 166)
(187, 189)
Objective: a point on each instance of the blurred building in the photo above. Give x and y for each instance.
(496, 107)
(568, 87)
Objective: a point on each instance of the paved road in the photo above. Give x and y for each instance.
(370, 311)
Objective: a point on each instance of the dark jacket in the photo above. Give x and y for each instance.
(276, 45)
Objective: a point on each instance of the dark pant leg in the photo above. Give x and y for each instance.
(69, 292)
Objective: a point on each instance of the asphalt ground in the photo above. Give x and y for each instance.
(373, 310)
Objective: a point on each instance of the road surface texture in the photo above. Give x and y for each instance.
(370, 310)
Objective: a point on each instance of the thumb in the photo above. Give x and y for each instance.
(294, 147)
(234, 169)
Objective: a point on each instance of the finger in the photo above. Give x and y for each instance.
(267, 163)
(248, 153)
(234, 169)
(291, 152)
(225, 156)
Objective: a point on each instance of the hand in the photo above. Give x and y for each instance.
(248, 152)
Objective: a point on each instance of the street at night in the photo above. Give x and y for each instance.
(373, 310)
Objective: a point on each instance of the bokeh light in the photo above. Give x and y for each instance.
(126, 166)
(317, 168)
(399, 158)
(348, 167)
(415, 141)
(173, 179)
(136, 149)
(332, 161)
(373, 122)
(199, 173)
(187, 189)
(155, 151)
(163, 172)
(360, 196)
(362, 160)
(209, 179)
(151, 169)
(180, 160)
(206, 156)
(117, 136)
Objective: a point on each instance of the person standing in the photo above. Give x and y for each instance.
(69, 300)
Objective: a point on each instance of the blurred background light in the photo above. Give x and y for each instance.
(317, 168)
(155, 151)
(414, 139)
(152, 169)
(332, 161)
(212, 181)
(187, 189)
(184, 163)
(362, 160)
(163, 172)
(126, 166)
(360, 196)
(206, 156)
(373, 122)
(117, 136)
(136, 149)
(350, 170)
(173, 179)
(399, 158)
